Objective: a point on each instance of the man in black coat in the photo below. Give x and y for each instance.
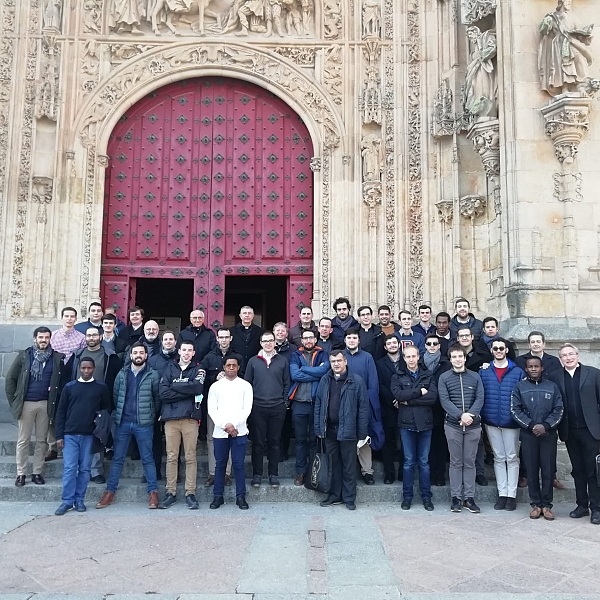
(580, 428)
(132, 333)
(537, 346)
(387, 367)
(203, 338)
(246, 335)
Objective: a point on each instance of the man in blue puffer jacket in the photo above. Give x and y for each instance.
(499, 380)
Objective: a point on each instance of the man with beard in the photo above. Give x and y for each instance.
(463, 318)
(384, 313)
(32, 390)
(203, 338)
(342, 321)
(137, 402)
(168, 353)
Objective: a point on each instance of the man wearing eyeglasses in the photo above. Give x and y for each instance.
(499, 380)
(580, 428)
(201, 336)
(307, 365)
(269, 375)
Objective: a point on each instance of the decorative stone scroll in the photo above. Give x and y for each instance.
(372, 198)
(475, 10)
(567, 120)
(485, 136)
(259, 63)
(48, 89)
(332, 73)
(301, 55)
(41, 194)
(443, 119)
(371, 97)
(332, 19)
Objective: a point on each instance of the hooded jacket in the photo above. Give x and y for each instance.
(496, 405)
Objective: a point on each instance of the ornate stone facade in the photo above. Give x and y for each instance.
(443, 166)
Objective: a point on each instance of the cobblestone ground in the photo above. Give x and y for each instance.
(295, 551)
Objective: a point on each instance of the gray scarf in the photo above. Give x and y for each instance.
(40, 357)
(432, 360)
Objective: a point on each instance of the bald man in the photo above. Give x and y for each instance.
(197, 333)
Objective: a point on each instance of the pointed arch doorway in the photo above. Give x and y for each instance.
(209, 182)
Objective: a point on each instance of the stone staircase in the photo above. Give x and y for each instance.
(132, 490)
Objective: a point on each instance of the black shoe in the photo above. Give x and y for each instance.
(143, 479)
(456, 505)
(63, 509)
(169, 500)
(135, 456)
(428, 504)
(439, 482)
(20, 480)
(350, 505)
(38, 479)
(368, 479)
(109, 454)
(595, 518)
(579, 512)
(470, 505)
(191, 502)
(389, 479)
(99, 479)
(159, 476)
(406, 504)
(400, 475)
(241, 503)
(489, 458)
(217, 502)
(481, 480)
(274, 481)
(511, 504)
(80, 506)
(256, 480)
(330, 502)
(501, 503)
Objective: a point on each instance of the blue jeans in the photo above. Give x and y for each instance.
(77, 460)
(122, 437)
(237, 445)
(303, 417)
(416, 445)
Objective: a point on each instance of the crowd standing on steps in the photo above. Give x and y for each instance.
(444, 394)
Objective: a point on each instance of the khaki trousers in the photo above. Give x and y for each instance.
(365, 459)
(175, 431)
(210, 428)
(35, 414)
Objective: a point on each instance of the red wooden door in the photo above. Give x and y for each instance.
(208, 177)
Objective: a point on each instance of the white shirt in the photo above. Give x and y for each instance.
(230, 402)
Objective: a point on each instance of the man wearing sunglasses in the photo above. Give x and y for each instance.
(499, 380)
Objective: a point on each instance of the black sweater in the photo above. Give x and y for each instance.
(270, 383)
(77, 408)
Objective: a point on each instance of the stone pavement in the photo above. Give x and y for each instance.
(295, 551)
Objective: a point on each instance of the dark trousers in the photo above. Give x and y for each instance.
(286, 434)
(583, 449)
(157, 447)
(267, 423)
(388, 452)
(539, 454)
(237, 445)
(343, 466)
(304, 430)
(416, 446)
(438, 454)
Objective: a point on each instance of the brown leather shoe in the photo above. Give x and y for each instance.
(106, 500)
(536, 512)
(210, 480)
(523, 482)
(299, 480)
(153, 500)
(557, 484)
(547, 514)
(52, 455)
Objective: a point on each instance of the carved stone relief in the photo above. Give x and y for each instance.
(443, 119)
(371, 97)
(371, 19)
(472, 206)
(564, 56)
(301, 55)
(47, 101)
(92, 17)
(372, 198)
(445, 211)
(41, 194)
(53, 16)
(332, 73)
(475, 10)
(481, 80)
(373, 158)
(485, 136)
(567, 186)
(332, 19)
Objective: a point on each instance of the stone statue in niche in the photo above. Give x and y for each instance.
(481, 80)
(53, 15)
(371, 18)
(373, 158)
(125, 16)
(564, 56)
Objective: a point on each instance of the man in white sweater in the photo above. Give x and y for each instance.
(229, 405)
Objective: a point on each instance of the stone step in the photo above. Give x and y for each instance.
(131, 490)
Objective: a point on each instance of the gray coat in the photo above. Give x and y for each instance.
(460, 393)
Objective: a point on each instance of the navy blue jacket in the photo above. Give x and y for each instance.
(302, 372)
(496, 405)
(417, 413)
(338, 334)
(354, 408)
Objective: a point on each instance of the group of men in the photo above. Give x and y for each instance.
(446, 388)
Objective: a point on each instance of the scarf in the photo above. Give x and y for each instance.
(432, 360)
(488, 340)
(345, 325)
(40, 357)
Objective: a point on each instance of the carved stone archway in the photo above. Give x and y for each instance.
(159, 66)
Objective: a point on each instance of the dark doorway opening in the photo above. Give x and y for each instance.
(267, 295)
(167, 301)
